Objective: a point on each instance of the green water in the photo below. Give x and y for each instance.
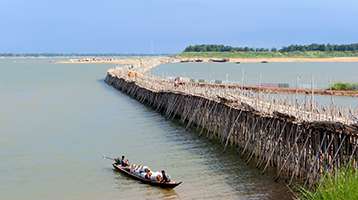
(57, 120)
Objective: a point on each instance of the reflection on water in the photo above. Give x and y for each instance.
(58, 120)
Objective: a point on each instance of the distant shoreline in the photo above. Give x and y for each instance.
(288, 59)
(205, 57)
(308, 56)
(183, 59)
(35, 55)
(145, 64)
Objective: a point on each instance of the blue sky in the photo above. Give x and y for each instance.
(167, 26)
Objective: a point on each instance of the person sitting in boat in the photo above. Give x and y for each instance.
(156, 176)
(121, 162)
(132, 168)
(142, 170)
(137, 169)
(124, 162)
(148, 173)
(165, 178)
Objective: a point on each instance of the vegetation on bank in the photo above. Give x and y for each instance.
(291, 48)
(270, 54)
(344, 86)
(343, 185)
(309, 51)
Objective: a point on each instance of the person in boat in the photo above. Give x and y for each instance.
(141, 170)
(165, 178)
(156, 176)
(132, 168)
(123, 162)
(148, 173)
(137, 169)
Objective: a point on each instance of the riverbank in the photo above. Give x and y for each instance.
(201, 57)
(271, 54)
(264, 57)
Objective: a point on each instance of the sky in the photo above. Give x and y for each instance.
(168, 26)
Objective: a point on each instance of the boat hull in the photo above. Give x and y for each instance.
(123, 170)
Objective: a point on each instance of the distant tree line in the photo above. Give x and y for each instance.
(219, 48)
(291, 48)
(344, 86)
(321, 47)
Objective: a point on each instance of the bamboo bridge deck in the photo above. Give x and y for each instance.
(299, 141)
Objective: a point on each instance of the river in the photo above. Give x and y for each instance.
(57, 120)
(292, 73)
(301, 74)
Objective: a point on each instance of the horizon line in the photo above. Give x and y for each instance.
(5, 54)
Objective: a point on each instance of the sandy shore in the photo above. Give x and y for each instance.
(274, 60)
(255, 60)
(155, 60)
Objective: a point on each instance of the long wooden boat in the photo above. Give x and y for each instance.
(125, 170)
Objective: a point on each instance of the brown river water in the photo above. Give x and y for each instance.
(57, 120)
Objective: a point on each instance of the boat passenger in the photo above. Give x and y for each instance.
(124, 162)
(138, 169)
(143, 169)
(148, 174)
(132, 168)
(165, 178)
(156, 176)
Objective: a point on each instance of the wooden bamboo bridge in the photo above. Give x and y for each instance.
(298, 141)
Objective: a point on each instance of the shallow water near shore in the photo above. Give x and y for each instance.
(294, 74)
(57, 120)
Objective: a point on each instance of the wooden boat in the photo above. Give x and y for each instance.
(125, 170)
(219, 60)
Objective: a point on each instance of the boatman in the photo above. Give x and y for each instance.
(165, 178)
(124, 162)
